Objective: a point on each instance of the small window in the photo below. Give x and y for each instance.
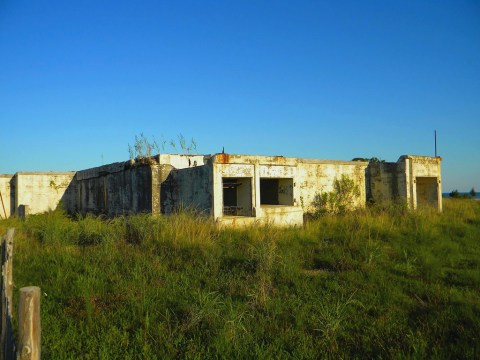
(276, 191)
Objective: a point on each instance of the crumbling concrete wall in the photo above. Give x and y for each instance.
(173, 187)
(43, 191)
(181, 161)
(318, 176)
(416, 180)
(7, 192)
(115, 189)
(249, 171)
(297, 182)
(385, 182)
(137, 186)
(265, 188)
(187, 188)
(423, 180)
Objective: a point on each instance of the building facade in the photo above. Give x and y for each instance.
(232, 189)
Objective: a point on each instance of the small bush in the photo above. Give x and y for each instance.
(338, 201)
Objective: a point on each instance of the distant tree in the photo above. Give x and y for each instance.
(473, 193)
(372, 160)
(376, 160)
(455, 194)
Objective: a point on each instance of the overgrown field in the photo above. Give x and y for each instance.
(379, 283)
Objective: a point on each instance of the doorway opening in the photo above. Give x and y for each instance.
(427, 191)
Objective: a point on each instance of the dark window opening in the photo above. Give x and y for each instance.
(276, 191)
(269, 192)
(237, 196)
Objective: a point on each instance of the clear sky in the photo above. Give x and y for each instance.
(319, 79)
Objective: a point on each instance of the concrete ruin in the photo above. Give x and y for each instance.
(232, 189)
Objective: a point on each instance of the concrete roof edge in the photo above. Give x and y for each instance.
(264, 159)
(419, 156)
(46, 173)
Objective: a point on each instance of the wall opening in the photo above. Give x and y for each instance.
(276, 191)
(427, 191)
(237, 196)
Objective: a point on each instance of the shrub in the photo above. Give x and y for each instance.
(454, 194)
(338, 201)
(473, 193)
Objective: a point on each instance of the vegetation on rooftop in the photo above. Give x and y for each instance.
(144, 148)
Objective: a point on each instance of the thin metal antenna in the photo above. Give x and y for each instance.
(435, 143)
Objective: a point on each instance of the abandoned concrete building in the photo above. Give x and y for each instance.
(232, 189)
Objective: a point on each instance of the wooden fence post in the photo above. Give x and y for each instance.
(9, 266)
(7, 347)
(29, 327)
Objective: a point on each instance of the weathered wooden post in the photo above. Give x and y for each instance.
(29, 326)
(9, 265)
(6, 337)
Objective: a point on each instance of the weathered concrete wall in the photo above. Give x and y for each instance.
(189, 187)
(232, 170)
(389, 181)
(7, 191)
(276, 215)
(43, 191)
(182, 161)
(114, 189)
(424, 169)
(159, 176)
(319, 177)
(297, 183)
(136, 186)
(385, 181)
(233, 189)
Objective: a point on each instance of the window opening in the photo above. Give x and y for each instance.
(237, 196)
(276, 191)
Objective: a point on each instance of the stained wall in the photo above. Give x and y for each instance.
(43, 191)
(7, 191)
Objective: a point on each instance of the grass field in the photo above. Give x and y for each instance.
(378, 283)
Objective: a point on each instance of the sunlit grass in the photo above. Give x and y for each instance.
(380, 282)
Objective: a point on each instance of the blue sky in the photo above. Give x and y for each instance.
(318, 79)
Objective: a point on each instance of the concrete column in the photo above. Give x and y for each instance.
(23, 211)
(256, 190)
(439, 186)
(217, 192)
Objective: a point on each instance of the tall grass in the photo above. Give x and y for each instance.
(376, 283)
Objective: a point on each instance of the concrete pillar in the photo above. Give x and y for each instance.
(23, 211)
(217, 192)
(256, 191)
